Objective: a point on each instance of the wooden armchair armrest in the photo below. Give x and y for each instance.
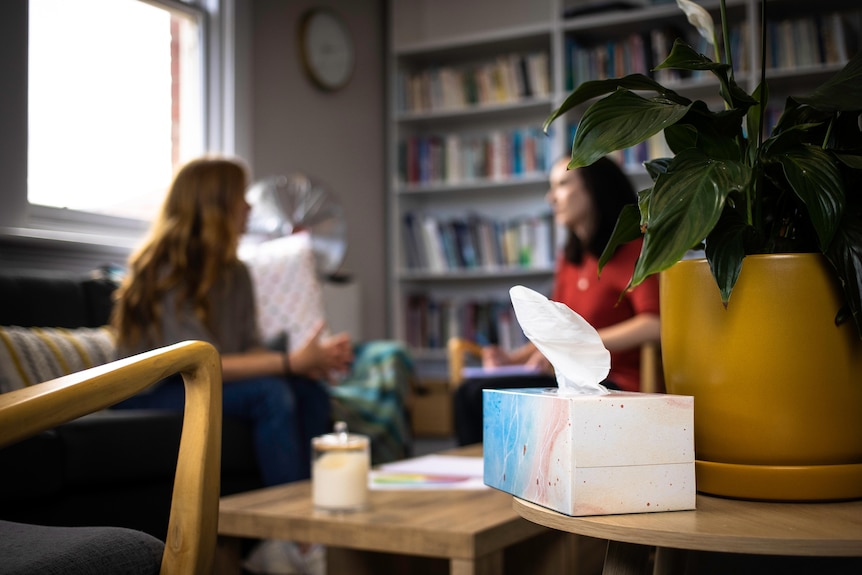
(457, 350)
(652, 380)
(193, 522)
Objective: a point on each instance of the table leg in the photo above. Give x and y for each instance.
(490, 564)
(627, 559)
(360, 562)
(227, 556)
(670, 561)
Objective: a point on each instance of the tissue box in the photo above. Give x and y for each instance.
(591, 454)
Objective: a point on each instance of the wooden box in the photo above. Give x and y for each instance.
(431, 409)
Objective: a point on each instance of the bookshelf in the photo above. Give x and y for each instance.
(470, 84)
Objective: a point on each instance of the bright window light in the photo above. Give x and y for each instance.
(115, 103)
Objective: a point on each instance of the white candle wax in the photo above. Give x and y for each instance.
(339, 480)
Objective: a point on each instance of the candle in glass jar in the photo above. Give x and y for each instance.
(339, 472)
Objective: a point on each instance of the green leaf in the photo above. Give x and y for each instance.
(657, 166)
(842, 92)
(596, 88)
(685, 206)
(725, 250)
(643, 208)
(626, 229)
(845, 254)
(754, 117)
(684, 57)
(680, 137)
(718, 133)
(808, 122)
(619, 121)
(733, 93)
(850, 160)
(812, 174)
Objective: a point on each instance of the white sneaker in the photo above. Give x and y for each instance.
(315, 560)
(277, 557)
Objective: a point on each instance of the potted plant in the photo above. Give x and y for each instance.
(749, 199)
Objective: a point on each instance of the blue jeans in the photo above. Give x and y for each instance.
(285, 413)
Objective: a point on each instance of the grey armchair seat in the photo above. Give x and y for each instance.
(30, 549)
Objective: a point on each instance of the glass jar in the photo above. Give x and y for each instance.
(339, 470)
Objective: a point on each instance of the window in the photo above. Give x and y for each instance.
(116, 100)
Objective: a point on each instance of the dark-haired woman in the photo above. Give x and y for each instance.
(586, 202)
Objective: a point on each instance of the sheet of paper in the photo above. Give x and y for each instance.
(429, 472)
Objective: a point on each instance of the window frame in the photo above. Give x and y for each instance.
(216, 19)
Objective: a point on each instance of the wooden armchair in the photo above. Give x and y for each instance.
(193, 519)
(459, 349)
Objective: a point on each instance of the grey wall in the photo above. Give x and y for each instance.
(13, 110)
(336, 137)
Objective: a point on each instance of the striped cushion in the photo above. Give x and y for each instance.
(31, 355)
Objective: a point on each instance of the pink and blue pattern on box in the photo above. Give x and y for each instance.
(591, 454)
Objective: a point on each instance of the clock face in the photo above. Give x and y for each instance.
(326, 49)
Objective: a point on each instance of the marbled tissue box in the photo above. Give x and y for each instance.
(591, 454)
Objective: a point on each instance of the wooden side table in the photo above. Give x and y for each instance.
(718, 525)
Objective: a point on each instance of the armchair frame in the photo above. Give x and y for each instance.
(193, 522)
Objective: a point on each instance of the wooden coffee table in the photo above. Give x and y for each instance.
(470, 532)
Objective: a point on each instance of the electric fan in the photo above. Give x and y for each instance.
(283, 205)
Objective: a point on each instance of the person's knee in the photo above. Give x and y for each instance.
(271, 395)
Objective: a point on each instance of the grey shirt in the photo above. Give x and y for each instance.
(232, 309)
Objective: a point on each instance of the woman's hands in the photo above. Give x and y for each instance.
(318, 358)
(321, 356)
(528, 355)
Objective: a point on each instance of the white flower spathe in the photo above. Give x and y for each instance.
(699, 18)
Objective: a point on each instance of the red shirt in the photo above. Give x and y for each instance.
(597, 300)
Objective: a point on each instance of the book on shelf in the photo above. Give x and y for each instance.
(431, 321)
(599, 61)
(640, 53)
(414, 245)
(501, 79)
(453, 158)
(808, 41)
(475, 242)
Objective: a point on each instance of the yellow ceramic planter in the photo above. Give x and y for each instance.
(777, 386)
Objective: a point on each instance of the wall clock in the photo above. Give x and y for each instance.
(326, 49)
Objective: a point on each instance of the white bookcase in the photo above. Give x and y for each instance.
(435, 138)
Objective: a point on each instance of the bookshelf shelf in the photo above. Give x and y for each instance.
(477, 186)
(427, 37)
(514, 108)
(487, 274)
(483, 42)
(613, 23)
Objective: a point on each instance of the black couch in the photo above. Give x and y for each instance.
(111, 468)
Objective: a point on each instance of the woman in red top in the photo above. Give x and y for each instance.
(586, 202)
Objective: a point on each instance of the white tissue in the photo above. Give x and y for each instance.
(567, 340)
